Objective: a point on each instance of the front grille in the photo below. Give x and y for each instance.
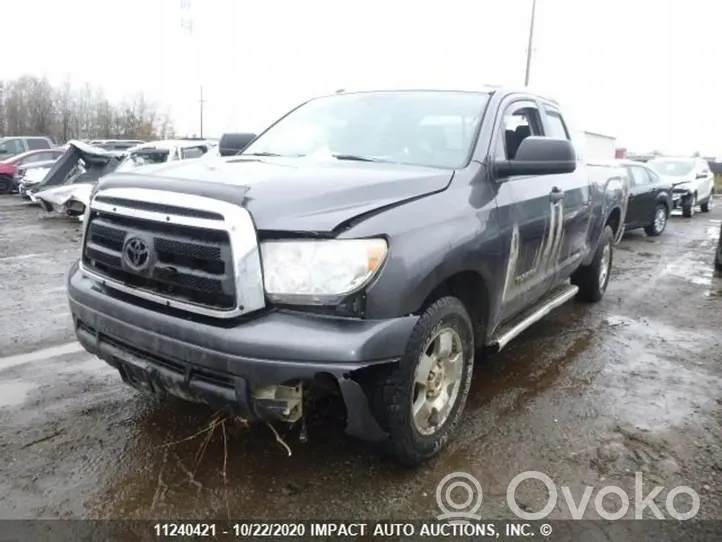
(188, 264)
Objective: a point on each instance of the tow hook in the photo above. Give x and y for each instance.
(283, 403)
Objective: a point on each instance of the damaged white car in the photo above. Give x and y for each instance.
(67, 190)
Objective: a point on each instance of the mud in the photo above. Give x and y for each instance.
(589, 396)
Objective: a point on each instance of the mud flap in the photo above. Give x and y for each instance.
(360, 422)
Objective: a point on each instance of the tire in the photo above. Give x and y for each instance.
(688, 210)
(705, 207)
(393, 392)
(718, 254)
(593, 279)
(6, 184)
(659, 221)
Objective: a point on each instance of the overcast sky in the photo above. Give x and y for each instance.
(645, 71)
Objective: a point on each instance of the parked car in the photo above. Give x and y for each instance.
(60, 189)
(364, 244)
(159, 152)
(12, 146)
(650, 199)
(9, 167)
(692, 182)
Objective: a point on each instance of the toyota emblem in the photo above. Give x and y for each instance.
(136, 254)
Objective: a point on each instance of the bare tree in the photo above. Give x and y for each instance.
(30, 105)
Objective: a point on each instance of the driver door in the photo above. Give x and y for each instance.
(526, 208)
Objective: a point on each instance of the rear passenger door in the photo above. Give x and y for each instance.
(573, 207)
(525, 206)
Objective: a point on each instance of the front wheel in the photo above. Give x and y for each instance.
(6, 184)
(419, 402)
(593, 279)
(705, 207)
(659, 222)
(688, 208)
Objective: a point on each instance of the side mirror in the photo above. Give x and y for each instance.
(539, 156)
(701, 175)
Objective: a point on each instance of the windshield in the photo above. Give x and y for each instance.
(673, 168)
(143, 158)
(427, 128)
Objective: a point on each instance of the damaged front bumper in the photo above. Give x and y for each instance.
(68, 200)
(253, 369)
(680, 199)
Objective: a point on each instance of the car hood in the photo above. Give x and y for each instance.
(292, 194)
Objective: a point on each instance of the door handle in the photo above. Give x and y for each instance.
(556, 195)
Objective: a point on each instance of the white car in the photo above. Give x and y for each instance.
(692, 182)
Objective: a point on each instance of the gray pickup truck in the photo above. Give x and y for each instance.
(366, 244)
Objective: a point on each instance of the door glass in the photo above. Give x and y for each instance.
(638, 176)
(519, 124)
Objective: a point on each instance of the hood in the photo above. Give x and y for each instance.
(292, 194)
(680, 182)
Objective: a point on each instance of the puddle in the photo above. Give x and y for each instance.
(14, 392)
(696, 272)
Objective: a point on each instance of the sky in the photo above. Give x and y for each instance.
(644, 71)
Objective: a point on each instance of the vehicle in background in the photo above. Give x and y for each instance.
(159, 152)
(649, 202)
(31, 174)
(9, 167)
(81, 163)
(692, 182)
(364, 244)
(118, 144)
(233, 143)
(12, 146)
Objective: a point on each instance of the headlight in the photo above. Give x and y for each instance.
(316, 270)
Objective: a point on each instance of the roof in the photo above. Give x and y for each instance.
(169, 144)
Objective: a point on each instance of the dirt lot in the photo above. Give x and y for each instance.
(589, 396)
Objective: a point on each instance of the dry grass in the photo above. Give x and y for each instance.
(219, 419)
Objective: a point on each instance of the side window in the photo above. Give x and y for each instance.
(520, 121)
(638, 176)
(653, 177)
(193, 152)
(12, 146)
(704, 167)
(556, 124)
(35, 143)
(30, 159)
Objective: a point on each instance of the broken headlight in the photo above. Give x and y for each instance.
(314, 272)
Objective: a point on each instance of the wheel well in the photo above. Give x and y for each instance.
(470, 289)
(614, 220)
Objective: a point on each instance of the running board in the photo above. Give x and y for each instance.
(539, 310)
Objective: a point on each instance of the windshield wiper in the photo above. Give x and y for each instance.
(258, 154)
(356, 158)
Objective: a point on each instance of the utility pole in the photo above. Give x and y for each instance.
(201, 102)
(186, 11)
(531, 43)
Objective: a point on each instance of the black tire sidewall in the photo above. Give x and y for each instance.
(6, 184)
(394, 410)
(653, 225)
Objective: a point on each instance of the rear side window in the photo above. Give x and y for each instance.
(639, 176)
(557, 126)
(193, 152)
(35, 143)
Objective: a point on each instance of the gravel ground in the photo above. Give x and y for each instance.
(589, 396)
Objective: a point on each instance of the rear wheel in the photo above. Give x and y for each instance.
(705, 207)
(6, 184)
(659, 222)
(419, 402)
(593, 279)
(688, 208)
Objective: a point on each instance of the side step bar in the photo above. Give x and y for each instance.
(547, 304)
